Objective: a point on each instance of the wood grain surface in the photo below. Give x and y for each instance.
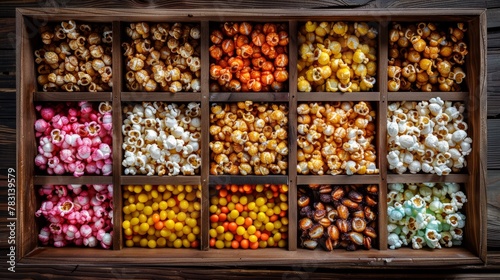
(8, 146)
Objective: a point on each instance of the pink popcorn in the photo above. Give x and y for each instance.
(75, 188)
(41, 125)
(44, 235)
(85, 231)
(69, 218)
(61, 190)
(85, 107)
(71, 232)
(84, 152)
(66, 208)
(79, 169)
(47, 113)
(107, 123)
(55, 228)
(90, 241)
(41, 161)
(91, 168)
(66, 155)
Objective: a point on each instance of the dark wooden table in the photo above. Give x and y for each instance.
(8, 146)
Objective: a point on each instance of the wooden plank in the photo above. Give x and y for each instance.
(493, 82)
(8, 59)
(493, 199)
(254, 96)
(205, 134)
(73, 96)
(117, 139)
(160, 96)
(160, 180)
(493, 144)
(248, 179)
(81, 272)
(66, 180)
(337, 96)
(337, 179)
(450, 96)
(460, 254)
(8, 7)
(8, 81)
(8, 33)
(419, 178)
(428, 4)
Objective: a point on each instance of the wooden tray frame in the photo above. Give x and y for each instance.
(473, 250)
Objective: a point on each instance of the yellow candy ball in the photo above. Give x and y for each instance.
(144, 227)
(219, 244)
(253, 238)
(178, 243)
(126, 224)
(152, 244)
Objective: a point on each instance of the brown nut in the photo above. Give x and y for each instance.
(319, 214)
(349, 203)
(370, 231)
(303, 201)
(310, 244)
(333, 232)
(355, 196)
(305, 224)
(358, 224)
(316, 231)
(356, 237)
(343, 212)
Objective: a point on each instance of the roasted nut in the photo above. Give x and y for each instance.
(305, 224)
(316, 231)
(348, 227)
(303, 201)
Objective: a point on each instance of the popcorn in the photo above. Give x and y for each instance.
(425, 215)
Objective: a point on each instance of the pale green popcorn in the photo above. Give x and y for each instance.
(453, 219)
(457, 233)
(398, 187)
(405, 238)
(412, 187)
(423, 219)
(426, 193)
(430, 185)
(432, 238)
(391, 197)
(393, 241)
(440, 190)
(452, 187)
(407, 194)
(393, 228)
(446, 239)
(445, 226)
(436, 205)
(449, 208)
(458, 199)
(414, 206)
(425, 214)
(435, 225)
(461, 222)
(396, 212)
(417, 242)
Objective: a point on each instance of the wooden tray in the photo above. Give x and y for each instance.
(473, 250)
